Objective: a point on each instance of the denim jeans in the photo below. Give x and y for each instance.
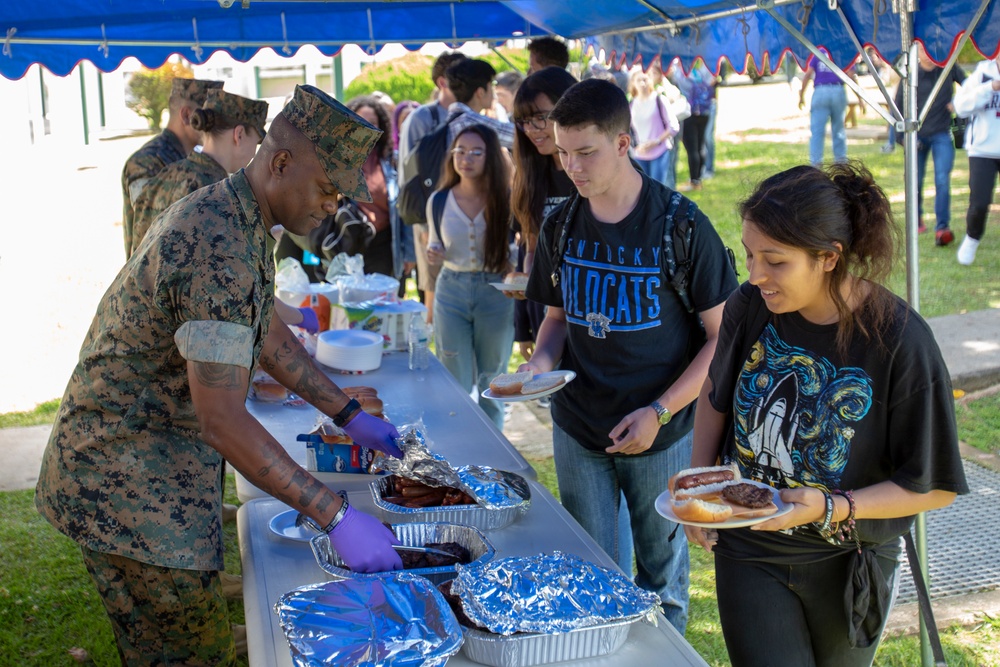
(709, 167)
(474, 331)
(591, 484)
(942, 148)
(829, 104)
(658, 168)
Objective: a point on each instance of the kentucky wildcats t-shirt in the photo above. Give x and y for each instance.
(628, 335)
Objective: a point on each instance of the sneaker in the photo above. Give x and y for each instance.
(921, 228)
(888, 148)
(544, 402)
(943, 237)
(967, 251)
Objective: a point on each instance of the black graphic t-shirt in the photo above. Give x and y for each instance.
(628, 335)
(805, 417)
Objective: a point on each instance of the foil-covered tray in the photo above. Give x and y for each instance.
(525, 650)
(483, 518)
(331, 623)
(414, 535)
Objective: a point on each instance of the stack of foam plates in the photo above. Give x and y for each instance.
(349, 350)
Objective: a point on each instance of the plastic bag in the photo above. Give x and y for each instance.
(290, 276)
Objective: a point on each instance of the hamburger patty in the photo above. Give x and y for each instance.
(748, 495)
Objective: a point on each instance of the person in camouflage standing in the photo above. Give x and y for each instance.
(230, 127)
(176, 140)
(133, 470)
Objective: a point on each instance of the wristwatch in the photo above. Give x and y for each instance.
(662, 414)
(344, 415)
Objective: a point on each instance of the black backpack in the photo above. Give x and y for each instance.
(675, 262)
(421, 172)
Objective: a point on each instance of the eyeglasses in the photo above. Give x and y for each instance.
(475, 153)
(537, 121)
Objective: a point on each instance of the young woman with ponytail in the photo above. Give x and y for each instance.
(829, 388)
(230, 128)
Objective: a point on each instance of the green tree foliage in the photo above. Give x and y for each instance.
(408, 77)
(148, 90)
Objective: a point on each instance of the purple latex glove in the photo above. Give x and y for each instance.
(374, 433)
(309, 320)
(364, 543)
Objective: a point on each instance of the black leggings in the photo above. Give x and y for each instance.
(694, 144)
(982, 181)
(778, 615)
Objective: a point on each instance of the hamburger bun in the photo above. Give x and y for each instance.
(508, 384)
(542, 384)
(702, 511)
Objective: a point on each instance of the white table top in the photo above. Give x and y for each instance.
(457, 428)
(273, 565)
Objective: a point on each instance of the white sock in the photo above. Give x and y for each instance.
(967, 251)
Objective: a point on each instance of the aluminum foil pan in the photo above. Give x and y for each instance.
(525, 650)
(483, 518)
(411, 534)
(395, 620)
(492, 489)
(548, 593)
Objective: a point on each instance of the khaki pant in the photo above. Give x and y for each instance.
(163, 616)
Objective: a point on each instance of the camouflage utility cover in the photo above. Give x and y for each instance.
(192, 90)
(240, 110)
(343, 139)
(141, 166)
(173, 183)
(125, 470)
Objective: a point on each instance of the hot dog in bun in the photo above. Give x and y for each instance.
(717, 493)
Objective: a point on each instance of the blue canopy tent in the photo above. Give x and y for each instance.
(61, 34)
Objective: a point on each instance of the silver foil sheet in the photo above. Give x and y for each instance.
(548, 593)
(411, 534)
(397, 620)
(525, 650)
(492, 489)
(483, 518)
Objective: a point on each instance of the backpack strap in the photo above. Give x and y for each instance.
(560, 235)
(678, 230)
(926, 611)
(438, 203)
(436, 114)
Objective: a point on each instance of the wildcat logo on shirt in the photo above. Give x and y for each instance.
(795, 414)
(611, 288)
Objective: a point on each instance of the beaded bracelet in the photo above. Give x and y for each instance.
(848, 526)
(824, 529)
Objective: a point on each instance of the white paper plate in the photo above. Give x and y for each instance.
(507, 287)
(517, 398)
(283, 525)
(665, 510)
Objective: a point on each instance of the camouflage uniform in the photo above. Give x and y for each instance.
(157, 153)
(125, 473)
(125, 470)
(178, 180)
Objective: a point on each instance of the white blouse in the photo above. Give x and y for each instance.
(464, 239)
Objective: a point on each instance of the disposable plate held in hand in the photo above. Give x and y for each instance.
(517, 398)
(666, 510)
(510, 287)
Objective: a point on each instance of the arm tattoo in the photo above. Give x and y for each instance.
(218, 376)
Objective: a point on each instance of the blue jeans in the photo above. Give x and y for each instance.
(829, 104)
(658, 169)
(474, 331)
(942, 148)
(709, 167)
(591, 484)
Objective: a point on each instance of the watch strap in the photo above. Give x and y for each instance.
(662, 414)
(344, 415)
